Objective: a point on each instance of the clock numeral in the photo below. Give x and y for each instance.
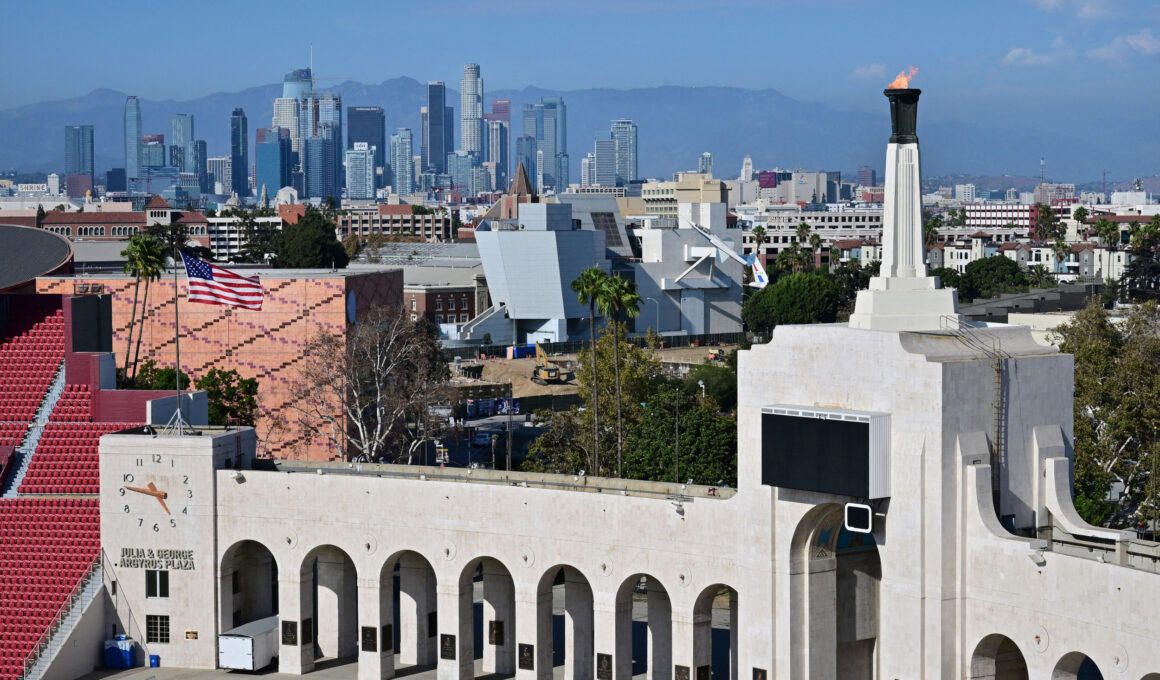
(127, 477)
(172, 523)
(140, 521)
(172, 463)
(189, 493)
(185, 510)
(185, 479)
(139, 462)
(156, 528)
(157, 458)
(125, 509)
(122, 490)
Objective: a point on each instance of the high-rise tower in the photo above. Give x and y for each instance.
(320, 129)
(471, 110)
(402, 168)
(132, 140)
(624, 136)
(435, 132)
(78, 150)
(181, 142)
(239, 154)
(369, 124)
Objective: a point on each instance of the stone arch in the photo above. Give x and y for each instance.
(834, 582)
(715, 639)
(565, 589)
(408, 608)
(329, 601)
(997, 657)
(1076, 666)
(649, 645)
(495, 637)
(247, 584)
(1151, 676)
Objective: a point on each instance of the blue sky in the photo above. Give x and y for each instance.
(1030, 59)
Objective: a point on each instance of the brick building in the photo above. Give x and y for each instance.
(120, 225)
(265, 344)
(395, 220)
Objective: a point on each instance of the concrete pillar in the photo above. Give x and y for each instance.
(295, 602)
(700, 639)
(688, 649)
(376, 659)
(418, 642)
(578, 621)
(498, 611)
(532, 606)
(660, 633)
(331, 595)
(612, 623)
(823, 624)
(453, 595)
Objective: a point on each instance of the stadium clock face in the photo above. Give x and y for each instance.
(158, 492)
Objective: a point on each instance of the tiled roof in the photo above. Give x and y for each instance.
(191, 217)
(157, 203)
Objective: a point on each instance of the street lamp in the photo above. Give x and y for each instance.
(658, 315)
(702, 384)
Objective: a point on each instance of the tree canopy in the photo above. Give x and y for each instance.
(795, 299)
(707, 451)
(992, 276)
(1117, 412)
(310, 244)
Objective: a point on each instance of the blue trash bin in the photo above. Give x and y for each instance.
(154, 661)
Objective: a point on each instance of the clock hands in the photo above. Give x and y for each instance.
(153, 491)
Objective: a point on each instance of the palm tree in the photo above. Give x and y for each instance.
(815, 247)
(616, 296)
(587, 287)
(758, 240)
(144, 259)
(802, 236)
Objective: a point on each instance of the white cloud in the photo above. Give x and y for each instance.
(1022, 56)
(1125, 46)
(875, 71)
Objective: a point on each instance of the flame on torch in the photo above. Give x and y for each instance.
(902, 81)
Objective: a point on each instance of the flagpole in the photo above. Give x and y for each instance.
(177, 345)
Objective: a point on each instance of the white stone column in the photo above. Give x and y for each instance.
(295, 602)
(375, 609)
(454, 599)
(612, 621)
(697, 633)
(823, 620)
(498, 606)
(578, 621)
(533, 609)
(418, 644)
(734, 632)
(660, 634)
(330, 596)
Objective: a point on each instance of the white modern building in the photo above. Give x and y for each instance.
(471, 110)
(360, 172)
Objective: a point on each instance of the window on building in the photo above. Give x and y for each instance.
(438, 318)
(414, 317)
(463, 318)
(156, 629)
(414, 306)
(439, 304)
(156, 583)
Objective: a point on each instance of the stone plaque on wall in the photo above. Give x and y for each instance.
(447, 647)
(527, 657)
(388, 638)
(495, 633)
(682, 673)
(603, 667)
(290, 633)
(370, 641)
(759, 674)
(704, 673)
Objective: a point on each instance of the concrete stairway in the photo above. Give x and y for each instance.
(59, 634)
(27, 447)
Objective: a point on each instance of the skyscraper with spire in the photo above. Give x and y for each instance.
(132, 140)
(471, 111)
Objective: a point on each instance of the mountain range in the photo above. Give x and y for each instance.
(676, 124)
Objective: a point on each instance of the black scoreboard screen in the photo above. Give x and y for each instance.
(809, 453)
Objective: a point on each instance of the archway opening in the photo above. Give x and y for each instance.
(644, 629)
(329, 593)
(564, 625)
(715, 634)
(1076, 666)
(248, 584)
(487, 618)
(834, 583)
(997, 657)
(409, 611)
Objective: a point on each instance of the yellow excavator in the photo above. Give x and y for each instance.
(544, 372)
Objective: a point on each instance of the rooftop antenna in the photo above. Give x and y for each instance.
(312, 66)
(1042, 170)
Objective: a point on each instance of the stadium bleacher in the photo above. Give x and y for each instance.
(50, 532)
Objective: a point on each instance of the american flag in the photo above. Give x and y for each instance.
(216, 286)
